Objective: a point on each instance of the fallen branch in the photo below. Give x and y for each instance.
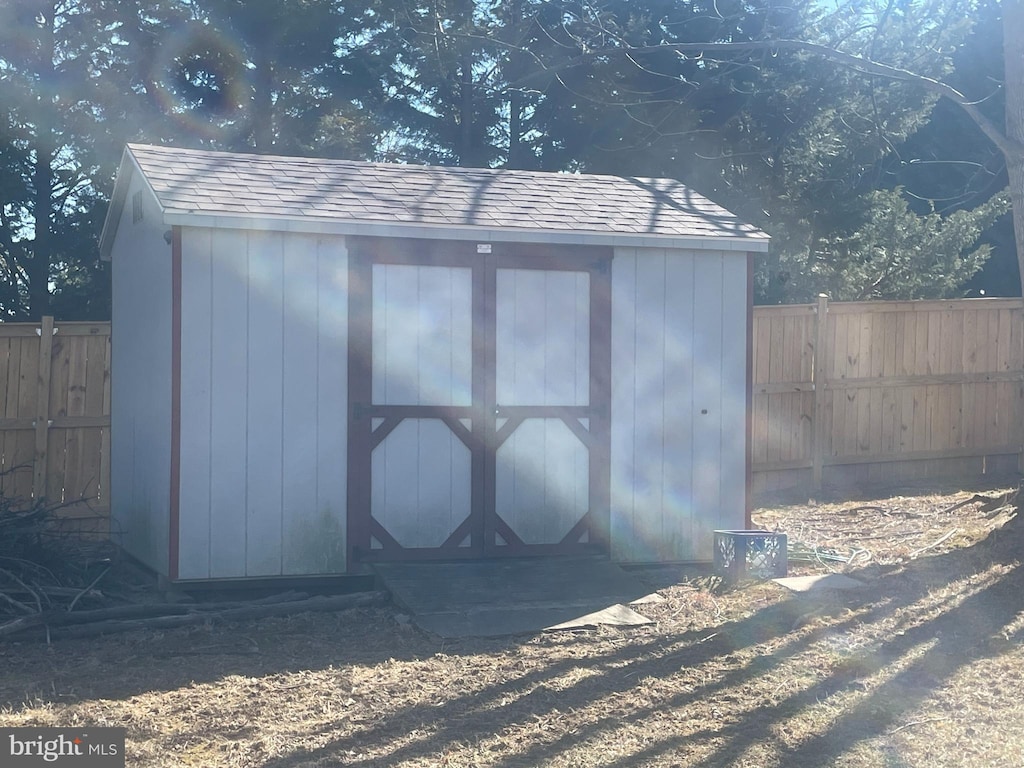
(973, 500)
(917, 722)
(42, 567)
(27, 589)
(69, 625)
(999, 510)
(16, 603)
(892, 537)
(61, 618)
(880, 510)
(934, 544)
(865, 508)
(20, 625)
(56, 592)
(318, 604)
(92, 584)
(907, 513)
(991, 505)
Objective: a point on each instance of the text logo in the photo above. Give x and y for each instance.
(69, 747)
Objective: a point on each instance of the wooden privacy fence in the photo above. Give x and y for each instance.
(55, 420)
(851, 393)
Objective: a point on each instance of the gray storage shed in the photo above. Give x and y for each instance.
(322, 363)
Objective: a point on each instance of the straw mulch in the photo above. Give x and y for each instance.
(923, 665)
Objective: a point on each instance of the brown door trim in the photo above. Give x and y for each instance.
(482, 438)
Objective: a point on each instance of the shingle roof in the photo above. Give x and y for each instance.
(263, 186)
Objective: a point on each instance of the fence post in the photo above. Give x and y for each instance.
(820, 357)
(42, 422)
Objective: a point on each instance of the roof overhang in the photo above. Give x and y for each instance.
(122, 183)
(323, 226)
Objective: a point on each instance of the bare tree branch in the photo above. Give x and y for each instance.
(1006, 144)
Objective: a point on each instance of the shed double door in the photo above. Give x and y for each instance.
(479, 402)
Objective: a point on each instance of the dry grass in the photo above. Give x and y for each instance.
(921, 667)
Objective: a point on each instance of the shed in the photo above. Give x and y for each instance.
(320, 363)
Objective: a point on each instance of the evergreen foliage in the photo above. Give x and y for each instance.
(869, 188)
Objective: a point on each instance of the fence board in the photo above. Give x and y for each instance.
(888, 391)
(9, 439)
(28, 399)
(55, 418)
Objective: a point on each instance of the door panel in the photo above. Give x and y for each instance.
(422, 335)
(422, 357)
(542, 337)
(542, 481)
(542, 360)
(420, 475)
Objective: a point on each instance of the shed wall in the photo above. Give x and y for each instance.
(678, 431)
(263, 404)
(141, 381)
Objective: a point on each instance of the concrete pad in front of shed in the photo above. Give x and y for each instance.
(491, 598)
(819, 582)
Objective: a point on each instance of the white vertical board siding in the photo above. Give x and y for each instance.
(708, 397)
(141, 383)
(678, 385)
(542, 337)
(719, 386)
(197, 247)
(229, 413)
(652, 521)
(264, 398)
(679, 518)
(310, 536)
(324, 537)
(625, 540)
(422, 355)
(733, 488)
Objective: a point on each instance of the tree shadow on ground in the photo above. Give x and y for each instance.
(155, 661)
(906, 667)
(961, 608)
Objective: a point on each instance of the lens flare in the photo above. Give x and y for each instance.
(203, 80)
